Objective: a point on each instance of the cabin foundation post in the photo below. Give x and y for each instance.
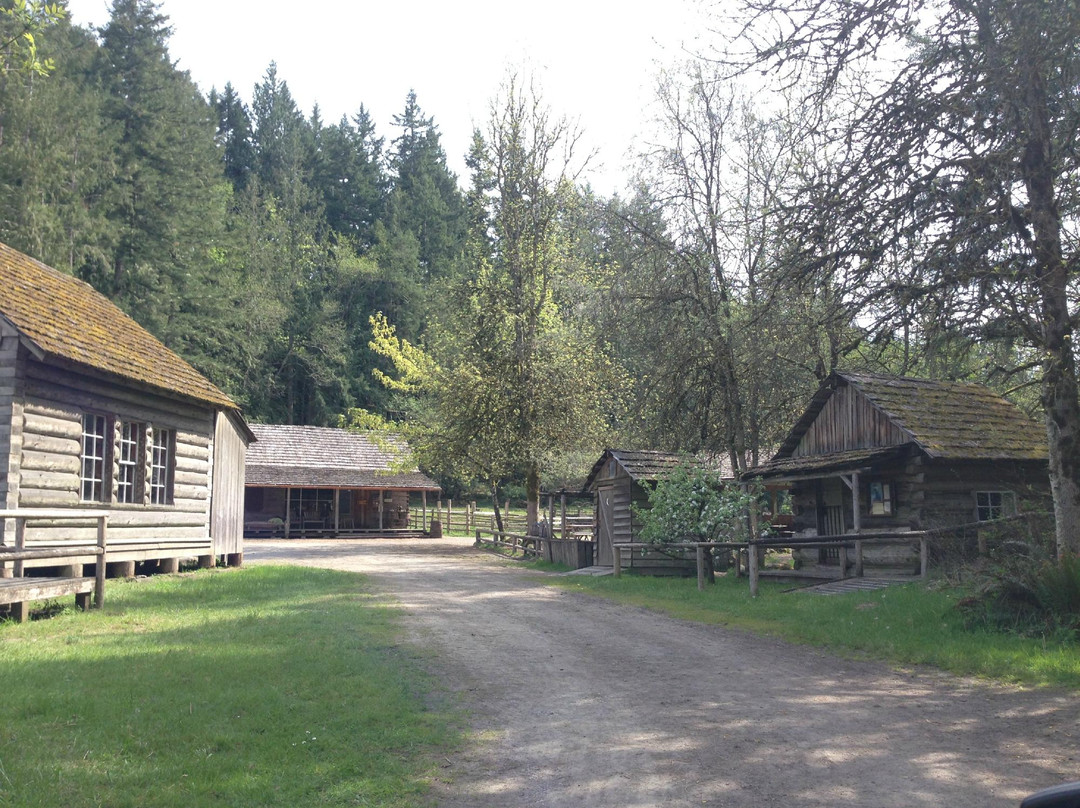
(234, 559)
(169, 566)
(126, 569)
(207, 562)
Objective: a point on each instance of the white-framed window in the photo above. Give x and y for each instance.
(881, 498)
(994, 505)
(95, 448)
(162, 454)
(130, 462)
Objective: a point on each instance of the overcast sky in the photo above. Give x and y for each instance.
(596, 60)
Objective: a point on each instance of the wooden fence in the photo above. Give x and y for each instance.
(566, 523)
(574, 553)
(852, 542)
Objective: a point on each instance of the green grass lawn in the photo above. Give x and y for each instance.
(266, 686)
(909, 624)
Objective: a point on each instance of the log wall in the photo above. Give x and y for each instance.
(44, 435)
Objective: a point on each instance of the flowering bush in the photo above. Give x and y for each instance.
(694, 504)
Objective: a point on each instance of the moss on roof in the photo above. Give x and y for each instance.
(66, 318)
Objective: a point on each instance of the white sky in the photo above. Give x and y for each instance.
(595, 60)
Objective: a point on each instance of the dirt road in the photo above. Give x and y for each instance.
(580, 703)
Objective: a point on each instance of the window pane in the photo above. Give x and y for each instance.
(93, 458)
(130, 459)
(161, 467)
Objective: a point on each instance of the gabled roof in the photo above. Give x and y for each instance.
(313, 456)
(61, 317)
(643, 465)
(948, 420)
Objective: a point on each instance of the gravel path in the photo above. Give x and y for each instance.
(580, 703)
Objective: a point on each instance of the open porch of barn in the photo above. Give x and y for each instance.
(336, 512)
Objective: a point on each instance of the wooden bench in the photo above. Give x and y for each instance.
(18, 590)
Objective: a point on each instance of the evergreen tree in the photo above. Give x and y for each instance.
(234, 136)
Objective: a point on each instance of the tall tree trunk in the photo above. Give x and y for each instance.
(532, 493)
(495, 507)
(1060, 399)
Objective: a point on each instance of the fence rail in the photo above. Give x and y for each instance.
(575, 553)
(850, 541)
(16, 590)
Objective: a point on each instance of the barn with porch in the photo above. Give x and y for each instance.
(308, 481)
(97, 415)
(875, 453)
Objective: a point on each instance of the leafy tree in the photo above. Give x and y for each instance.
(957, 151)
(22, 26)
(510, 376)
(723, 352)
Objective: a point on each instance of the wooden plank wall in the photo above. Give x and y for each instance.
(227, 487)
(10, 422)
(49, 466)
(848, 421)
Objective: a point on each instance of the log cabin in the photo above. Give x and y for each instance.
(875, 453)
(96, 413)
(309, 481)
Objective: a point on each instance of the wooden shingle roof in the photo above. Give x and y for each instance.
(312, 456)
(61, 317)
(949, 420)
(650, 466)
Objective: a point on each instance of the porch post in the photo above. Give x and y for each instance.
(288, 511)
(423, 511)
(380, 510)
(337, 511)
(856, 523)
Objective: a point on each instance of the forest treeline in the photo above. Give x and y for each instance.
(513, 320)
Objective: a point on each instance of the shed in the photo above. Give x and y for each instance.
(321, 481)
(96, 412)
(621, 480)
(879, 453)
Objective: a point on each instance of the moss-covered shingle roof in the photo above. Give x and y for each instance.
(65, 318)
(950, 420)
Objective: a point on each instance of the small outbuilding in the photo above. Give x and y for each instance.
(95, 413)
(620, 481)
(308, 481)
(876, 453)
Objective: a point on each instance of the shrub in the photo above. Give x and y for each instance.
(1030, 594)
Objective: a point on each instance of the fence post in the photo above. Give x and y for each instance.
(924, 557)
(449, 513)
(99, 571)
(477, 544)
(752, 563)
(616, 558)
(858, 559)
(700, 568)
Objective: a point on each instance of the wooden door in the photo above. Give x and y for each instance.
(605, 516)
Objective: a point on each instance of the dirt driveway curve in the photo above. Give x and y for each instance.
(581, 703)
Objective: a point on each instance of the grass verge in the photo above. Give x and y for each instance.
(268, 686)
(909, 624)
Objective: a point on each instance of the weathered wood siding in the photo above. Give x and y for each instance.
(46, 473)
(617, 494)
(227, 487)
(848, 421)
